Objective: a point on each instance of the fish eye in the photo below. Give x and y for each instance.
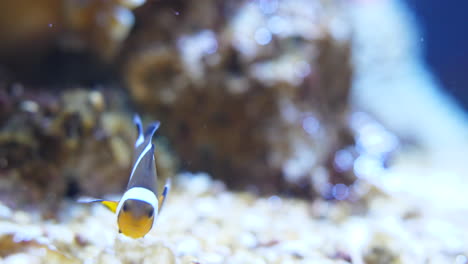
(151, 212)
(125, 207)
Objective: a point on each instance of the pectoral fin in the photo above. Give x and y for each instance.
(111, 205)
(162, 197)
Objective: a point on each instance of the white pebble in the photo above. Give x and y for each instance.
(5, 212)
(21, 258)
(248, 240)
(212, 258)
(196, 183)
(189, 246)
(254, 222)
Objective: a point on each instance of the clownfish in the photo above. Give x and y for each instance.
(140, 205)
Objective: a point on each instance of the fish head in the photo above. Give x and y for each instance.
(135, 218)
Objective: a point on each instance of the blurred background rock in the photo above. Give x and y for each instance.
(255, 93)
(264, 95)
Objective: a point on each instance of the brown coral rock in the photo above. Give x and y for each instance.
(56, 145)
(255, 93)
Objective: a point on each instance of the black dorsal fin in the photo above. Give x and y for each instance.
(151, 130)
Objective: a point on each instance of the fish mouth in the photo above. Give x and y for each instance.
(135, 228)
(135, 231)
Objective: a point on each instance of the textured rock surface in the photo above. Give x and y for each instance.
(73, 25)
(56, 145)
(253, 92)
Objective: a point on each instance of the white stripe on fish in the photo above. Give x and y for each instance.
(141, 194)
(139, 141)
(142, 154)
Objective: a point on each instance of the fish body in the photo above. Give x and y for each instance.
(140, 205)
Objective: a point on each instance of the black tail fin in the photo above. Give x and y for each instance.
(139, 126)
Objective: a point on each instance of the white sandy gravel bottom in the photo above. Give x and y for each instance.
(203, 223)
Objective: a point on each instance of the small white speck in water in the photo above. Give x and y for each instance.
(51, 25)
(262, 36)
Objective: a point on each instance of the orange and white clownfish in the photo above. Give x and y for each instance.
(140, 205)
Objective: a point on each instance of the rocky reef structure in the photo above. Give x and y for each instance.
(64, 144)
(100, 26)
(256, 93)
(253, 92)
(54, 144)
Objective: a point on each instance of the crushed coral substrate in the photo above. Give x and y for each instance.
(203, 223)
